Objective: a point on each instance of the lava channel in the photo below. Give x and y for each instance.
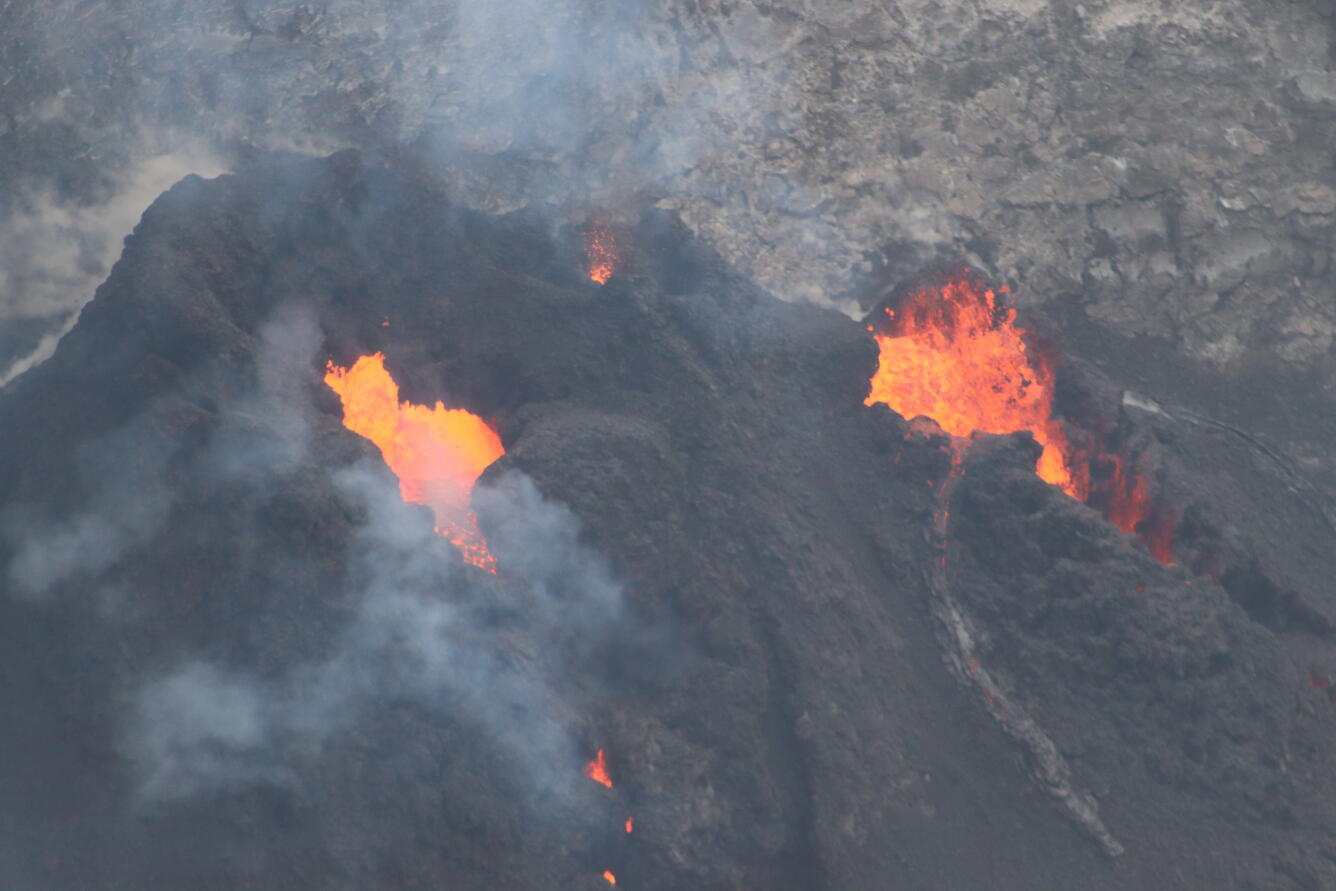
(955, 354)
(437, 453)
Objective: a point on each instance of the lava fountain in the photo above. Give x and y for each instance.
(437, 453)
(597, 770)
(955, 354)
(601, 253)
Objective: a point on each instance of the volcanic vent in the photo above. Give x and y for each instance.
(951, 350)
(437, 453)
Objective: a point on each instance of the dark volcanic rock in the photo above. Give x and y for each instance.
(238, 661)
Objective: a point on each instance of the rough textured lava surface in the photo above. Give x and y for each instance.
(745, 630)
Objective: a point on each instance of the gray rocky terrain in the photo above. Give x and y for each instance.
(1163, 167)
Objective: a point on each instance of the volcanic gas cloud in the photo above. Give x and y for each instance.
(437, 453)
(954, 353)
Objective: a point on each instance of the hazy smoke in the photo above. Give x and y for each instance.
(270, 427)
(195, 730)
(130, 496)
(424, 631)
(425, 628)
(129, 502)
(591, 104)
(54, 252)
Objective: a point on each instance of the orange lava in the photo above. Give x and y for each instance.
(1129, 506)
(437, 453)
(956, 355)
(602, 253)
(630, 824)
(597, 770)
(609, 877)
(1126, 501)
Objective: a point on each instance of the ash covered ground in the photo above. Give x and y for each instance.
(816, 651)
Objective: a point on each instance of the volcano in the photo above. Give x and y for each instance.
(694, 580)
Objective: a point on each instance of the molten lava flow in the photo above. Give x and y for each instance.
(1131, 502)
(597, 770)
(602, 253)
(609, 877)
(437, 453)
(1127, 503)
(630, 824)
(957, 356)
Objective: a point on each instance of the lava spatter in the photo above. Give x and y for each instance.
(597, 770)
(437, 453)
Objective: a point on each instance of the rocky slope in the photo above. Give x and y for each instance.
(1159, 169)
(241, 662)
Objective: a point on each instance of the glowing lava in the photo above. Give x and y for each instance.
(609, 877)
(955, 354)
(1125, 499)
(630, 824)
(437, 453)
(597, 770)
(602, 254)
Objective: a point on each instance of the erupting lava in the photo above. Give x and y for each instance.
(955, 354)
(602, 253)
(609, 877)
(597, 770)
(1125, 500)
(437, 453)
